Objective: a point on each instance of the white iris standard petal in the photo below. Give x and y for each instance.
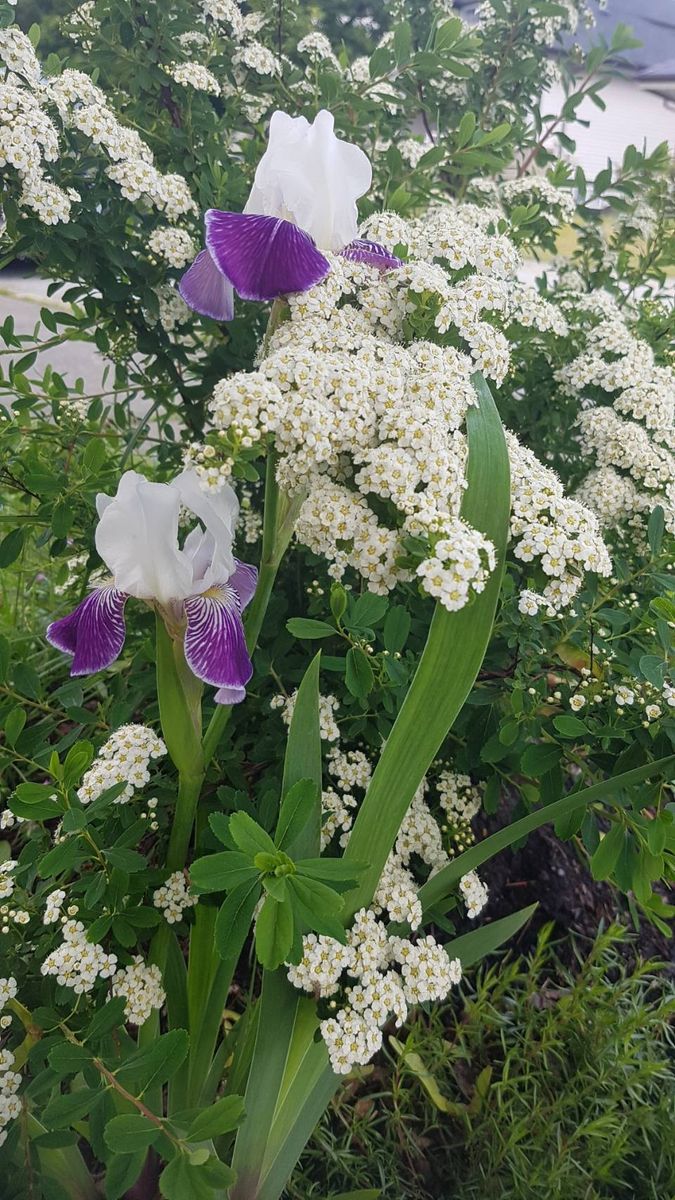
(218, 513)
(311, 177)
(137, 538)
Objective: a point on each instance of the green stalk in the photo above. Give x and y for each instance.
(207, 1001)
(278, 524)
(179, 695)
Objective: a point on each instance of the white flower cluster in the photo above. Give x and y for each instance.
(28, 136)
(7, 882)
(556, 205)
(615, 377)
(561, 533)
(328, 706)
(458, 796)
(142, 989)
(421, 971)
(124, 758)
(337, 814)
(362, 421)
(461, 563)
(10, 1081)
(8, 819)
(257, 58)
(53, 906)
(78, 963)
(630, 693)
(173, 897)
(474, 894)
(8, 990)
(317, 47)
(195, 75)
(175, 246)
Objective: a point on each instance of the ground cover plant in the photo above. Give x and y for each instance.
(353, 572)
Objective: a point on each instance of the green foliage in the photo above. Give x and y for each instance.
(544, 1082)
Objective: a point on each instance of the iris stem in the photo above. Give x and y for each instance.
(279, 519)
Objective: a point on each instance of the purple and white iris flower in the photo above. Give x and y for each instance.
(200, 589)
(303, 202)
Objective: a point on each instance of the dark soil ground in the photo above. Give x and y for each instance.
(553, 873)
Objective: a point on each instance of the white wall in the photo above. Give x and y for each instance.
(632, 115)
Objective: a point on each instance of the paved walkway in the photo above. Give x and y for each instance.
(22, 295)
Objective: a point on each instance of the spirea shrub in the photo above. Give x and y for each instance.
(331, 411)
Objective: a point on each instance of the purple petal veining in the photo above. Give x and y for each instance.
(264, 257)
(205, 289)
(371, 253)
(215, 644)
(93, 632)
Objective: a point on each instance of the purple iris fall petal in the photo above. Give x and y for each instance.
(205, 289)
(264, 257)
(93, 632)
(371, 253)
(215, 644)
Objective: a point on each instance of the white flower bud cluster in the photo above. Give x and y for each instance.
(195, 75)
(474, 894)
(173, 897)
(124, 758)
(78, 963)
(175, 246)
(458, 796)
(337, 814)
(7, 882)
(53, 906)
(354, 1033)
(10, 1082)
(548, 526)
(328, 706)
(141, 986)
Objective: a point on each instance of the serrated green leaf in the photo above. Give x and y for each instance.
(297, 808)
(274, 933)
(250, 837)
(222, 872)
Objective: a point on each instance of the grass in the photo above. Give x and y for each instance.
(538, 1084)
